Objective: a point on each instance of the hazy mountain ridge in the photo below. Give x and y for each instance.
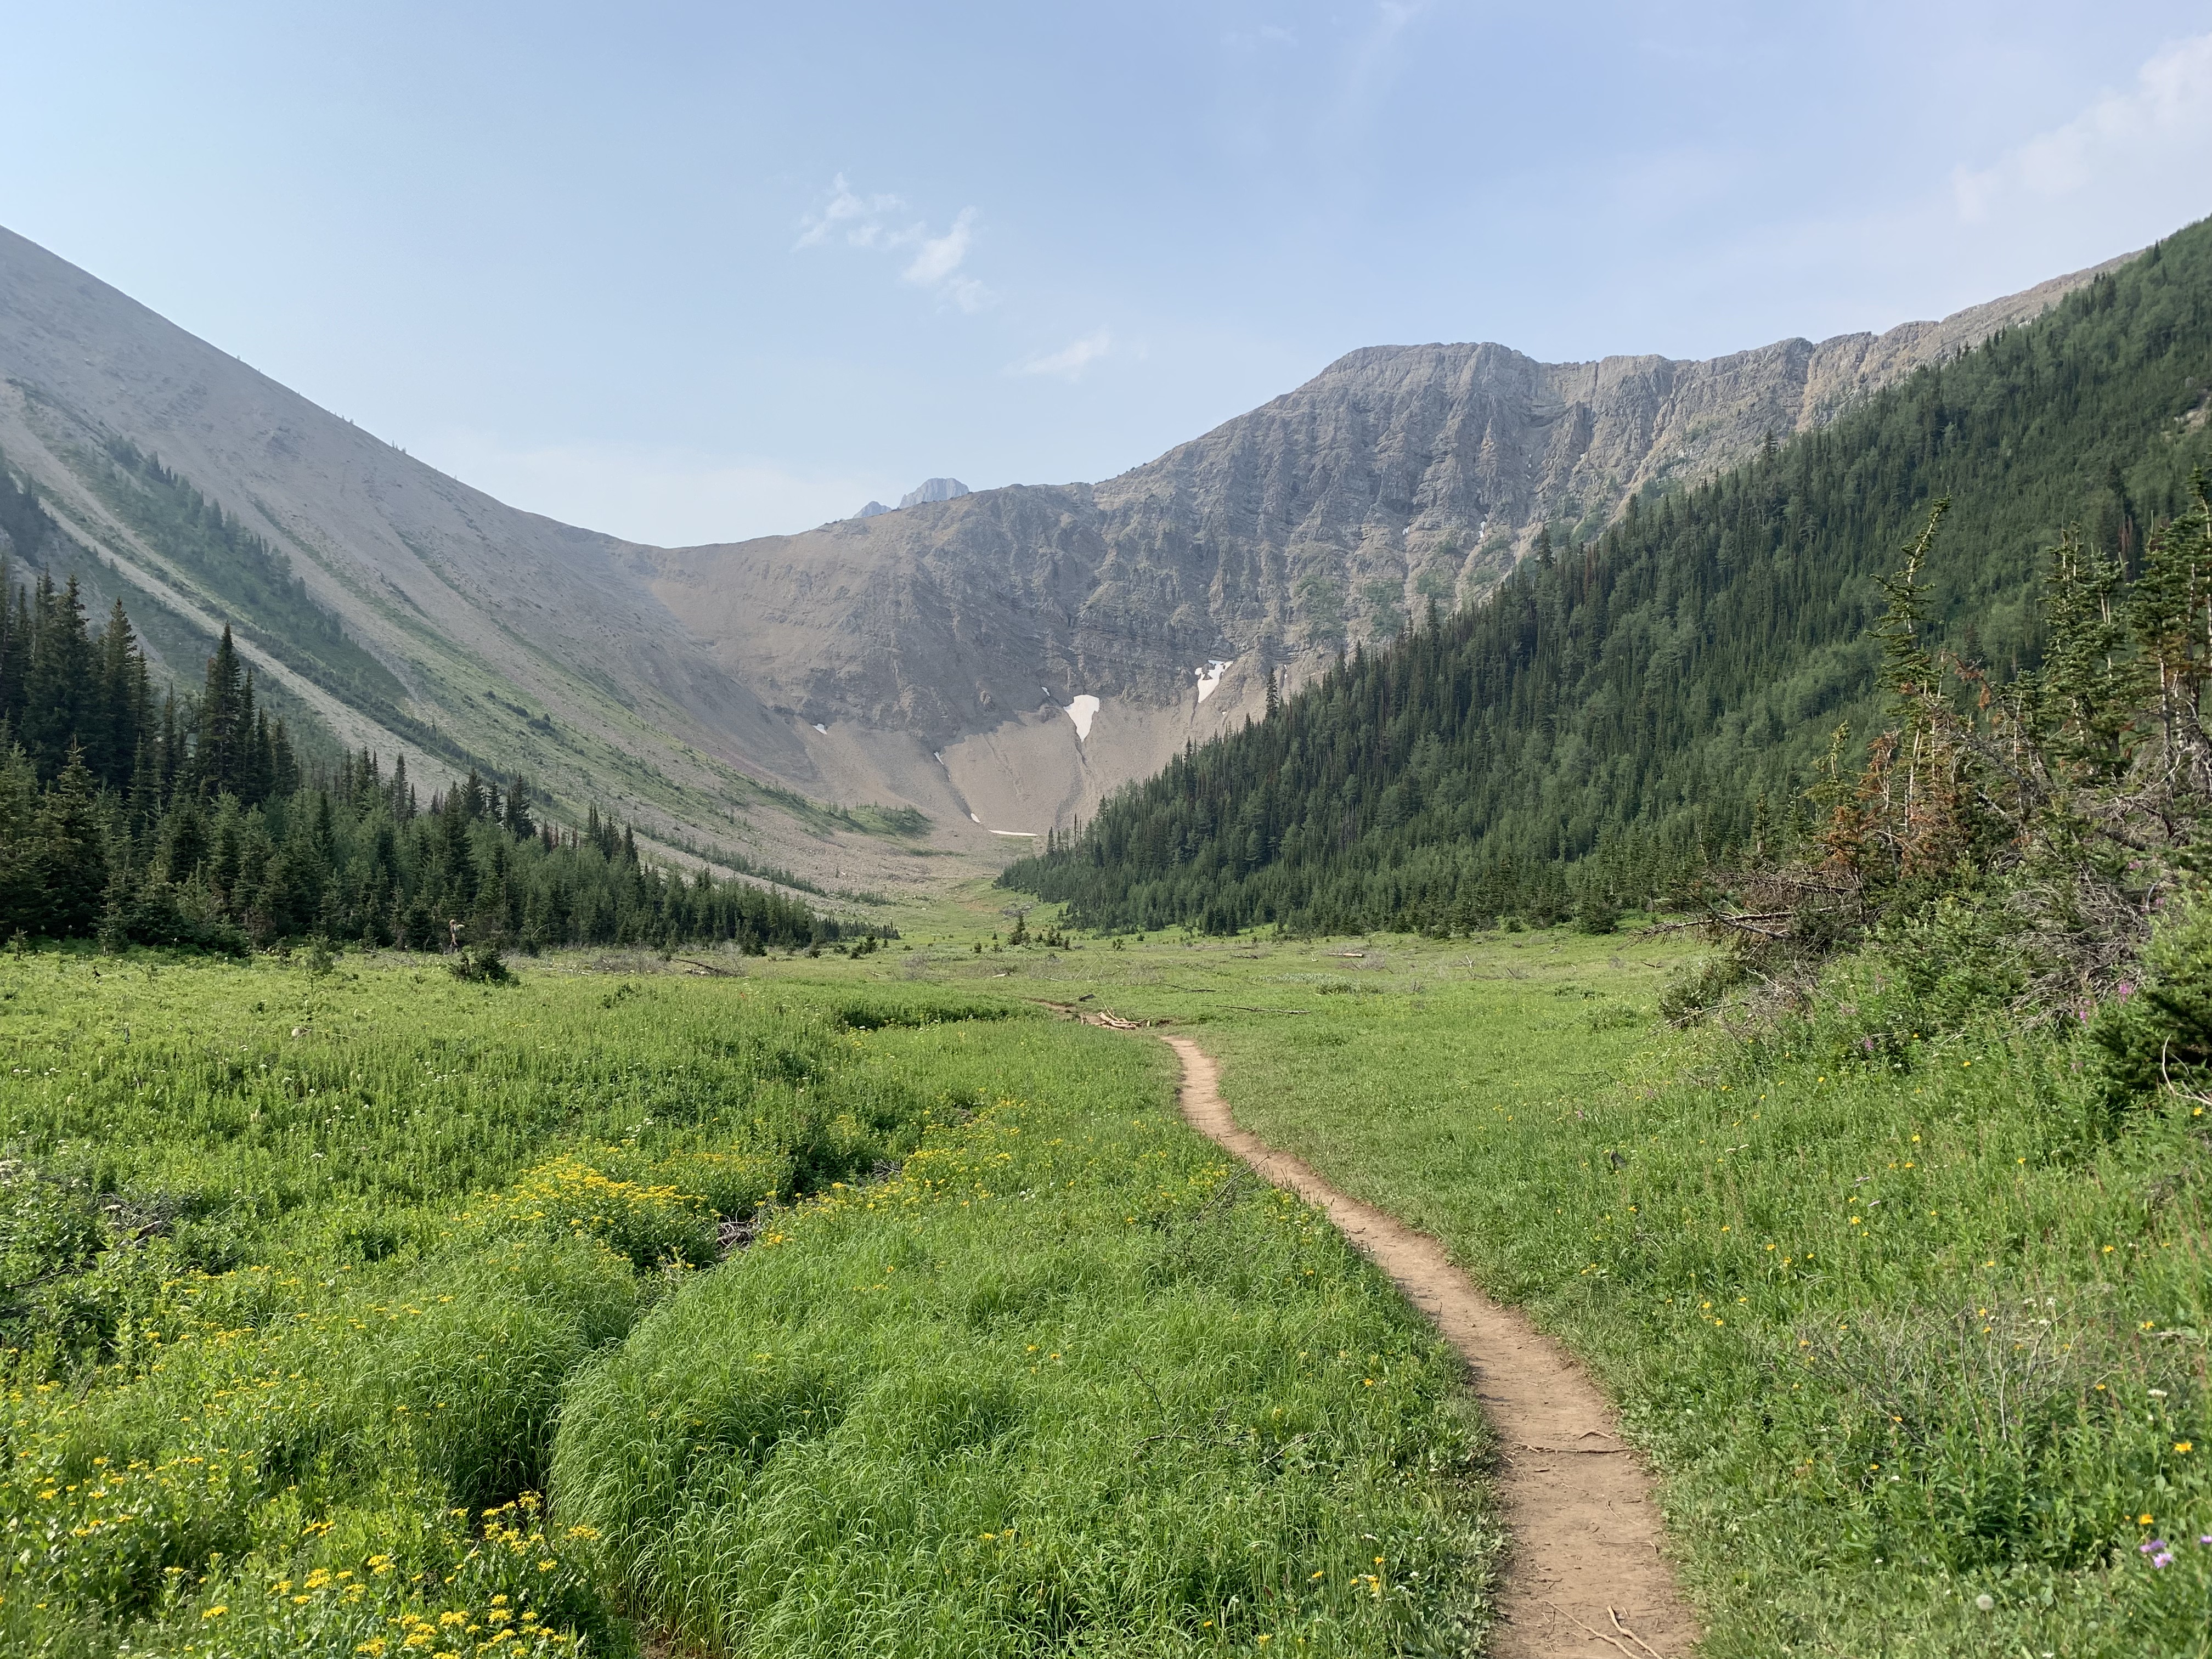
(924, 656)
(933, 489)
(1330, 515)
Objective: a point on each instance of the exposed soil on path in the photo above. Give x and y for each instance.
(1584, 1574)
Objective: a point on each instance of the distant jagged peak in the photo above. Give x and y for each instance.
(929, 489)
(933, 489)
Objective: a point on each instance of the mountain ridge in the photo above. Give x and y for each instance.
(522, 642)
(1330, 516)
(1639, 704)
(927, 658)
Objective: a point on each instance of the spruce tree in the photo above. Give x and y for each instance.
(156, 823)
(23, 858)
(14, 641)
(73, 850)
(58, 680)
(114, 745)
(456, 866)
(283, 762)
(221, 731)
(184, 842)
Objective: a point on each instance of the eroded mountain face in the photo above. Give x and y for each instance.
(999, 660)
(1397, 477)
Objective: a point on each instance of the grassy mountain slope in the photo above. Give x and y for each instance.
(1671, 684)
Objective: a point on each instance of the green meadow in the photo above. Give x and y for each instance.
(830, 1304)
(1904, 1323)
(367, 1310)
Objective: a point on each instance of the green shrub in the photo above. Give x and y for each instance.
(1596, 912)
(481, 964)
(1697, 988)
(2155, 1030)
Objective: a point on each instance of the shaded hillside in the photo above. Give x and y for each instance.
(1650, 694)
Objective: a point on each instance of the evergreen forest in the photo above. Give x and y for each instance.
(1626, 712)
(132, 815)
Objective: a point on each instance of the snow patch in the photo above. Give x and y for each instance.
(1023, 835)
(1080, 710)
(1210, 676)
(820, 728)
(972, 818)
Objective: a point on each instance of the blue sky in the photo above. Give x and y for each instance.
(691, 272)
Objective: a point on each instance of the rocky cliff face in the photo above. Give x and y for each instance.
(1397, 477)
(933, 489)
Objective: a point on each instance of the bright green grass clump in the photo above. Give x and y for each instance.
(1899, 1334)
(1064, 1383)
(1905, 1323)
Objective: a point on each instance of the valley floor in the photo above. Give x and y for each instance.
(1915, 1347)
(330, 1266)
(1586, 1548)
(318, 1280)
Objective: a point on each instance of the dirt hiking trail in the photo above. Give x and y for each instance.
(1583, 1574)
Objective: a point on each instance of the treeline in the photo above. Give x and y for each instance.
(146, 818)
(254, 582)
(1627, 711)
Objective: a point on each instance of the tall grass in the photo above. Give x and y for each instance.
(1907, 1323)
(299, 1264)
(1063, 1384)
(303, 1271)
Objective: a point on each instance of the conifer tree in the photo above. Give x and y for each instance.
(73, 850)
(23, 857)
(58, 682)
(14, 639)
(222, 727)
(188, 821)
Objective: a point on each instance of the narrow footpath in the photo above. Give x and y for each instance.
(1584, 1574)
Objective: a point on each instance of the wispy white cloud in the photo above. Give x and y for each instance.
(1071, 360)
(940, 255)
(936, 266)
(863, 220)
(882, 223)
(2124, 170)
(2157, 132)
